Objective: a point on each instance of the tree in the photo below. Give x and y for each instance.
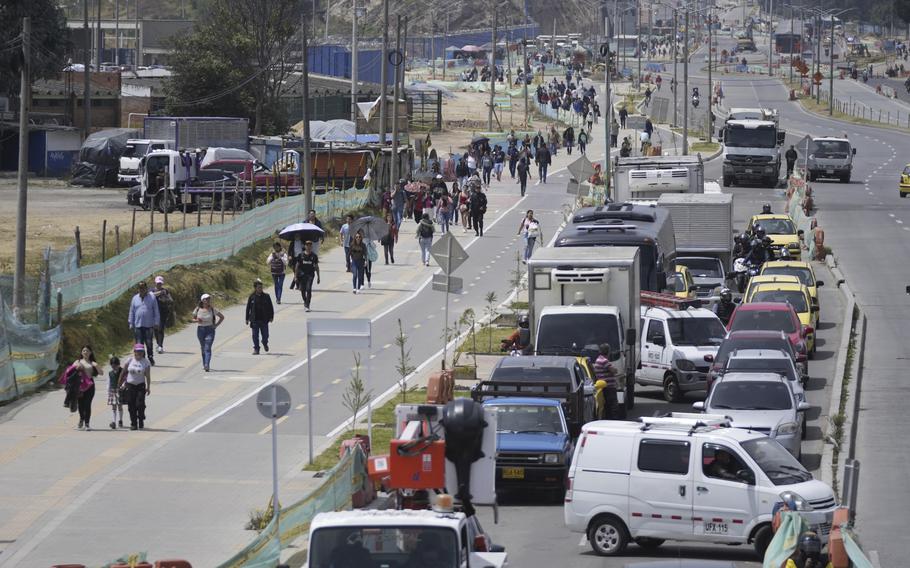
(236, 62)
(50, 41)
(404, 366)
(356, 396)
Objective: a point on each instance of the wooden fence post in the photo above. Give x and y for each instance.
(78, 247)
(103, 239)
(212, 209)
(59, 306)
(133, 228)
(117, 239)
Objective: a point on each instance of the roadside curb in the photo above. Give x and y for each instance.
(839, 390)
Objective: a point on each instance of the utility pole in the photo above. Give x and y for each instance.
(433, 49)
(710, 124)
(608, 109)
(383, 72)
(792, 33)
(445, 40)
(354, 63)
(493, 72)
(685, 147)
(770, 38)
(399, 70)
(117, 32)
(675, 68)
(524, 66)
(327, 21)
(553, 42)
(100, 39)
(138, 43)
(638, 41)
(831, 77)
(87, 62)
(25, 93)
(305, 117)
(818, 56)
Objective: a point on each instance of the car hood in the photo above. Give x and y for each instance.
(696, 353)
(543, 442)
(758, 419)
(784, 239)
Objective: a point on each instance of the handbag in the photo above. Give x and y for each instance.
(372, 254)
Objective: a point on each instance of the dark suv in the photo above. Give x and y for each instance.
(755, 339)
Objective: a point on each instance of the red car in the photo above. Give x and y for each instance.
(772, 316)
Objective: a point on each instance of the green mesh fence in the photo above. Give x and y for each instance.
(334, 494)
(796, 190)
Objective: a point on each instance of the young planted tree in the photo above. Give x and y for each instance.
(404, 366)
(490, 299)
(355, 396)
(469, 318)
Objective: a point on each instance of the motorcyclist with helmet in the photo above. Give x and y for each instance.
(766, 209)
(742, 246)
(515, 343)
(725, 307)
(808, 553)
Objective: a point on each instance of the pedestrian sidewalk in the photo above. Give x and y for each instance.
(166, 490)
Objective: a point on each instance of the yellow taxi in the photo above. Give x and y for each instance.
(768, 279)
(904, 186)
(681, 283)
(802, 270)
(782, 231)
(793, 293)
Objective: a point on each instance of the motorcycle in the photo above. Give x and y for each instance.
(743, 271)
(695, 102)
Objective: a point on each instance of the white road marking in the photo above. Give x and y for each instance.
(336, 381)
(318, 394)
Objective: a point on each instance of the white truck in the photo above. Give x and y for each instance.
(136, 149)
(751, 151)
(582, 297)
(645, 178)
(704, 236)
(439, 537)
(830, 157)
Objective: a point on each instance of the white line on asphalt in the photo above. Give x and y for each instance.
(889, 214)
(336, 381)
(318, 394)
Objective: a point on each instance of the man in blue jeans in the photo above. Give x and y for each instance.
(259, 313)
(144, 318)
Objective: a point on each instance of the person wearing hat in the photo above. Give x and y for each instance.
(208, 318)
(144, 318)
(136, 384)
(260, 313)
(165, 310)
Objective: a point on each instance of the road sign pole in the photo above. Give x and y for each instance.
(276, 508)
(309, 397)
(447, 269)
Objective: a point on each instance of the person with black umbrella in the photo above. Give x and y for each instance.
(307, 267)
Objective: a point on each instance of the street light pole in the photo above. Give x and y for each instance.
(685, 148)
(771, 39)
(710, 124)
(831, 78)
(791, 44)
(608, 109)
(818, 56)
(638, 41)
(675, 67)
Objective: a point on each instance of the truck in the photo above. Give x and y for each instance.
(136, 149)
(645, 178)
(751, 151)
(753, 113)
(704, 243)
(830, 157)
(582, 297)
(188, 132)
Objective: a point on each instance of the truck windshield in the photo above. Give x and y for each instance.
(830, 148)
(696, 331)
(778, 464)
(576, 334)
(353, 546)
(751, 395)
(702, 267)
(793, 297)
(761, 137)
(525, 418)
(135, 150)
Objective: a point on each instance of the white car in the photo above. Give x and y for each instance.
(760, 402)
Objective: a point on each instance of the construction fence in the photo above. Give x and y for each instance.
(799, 200)
(335, 494)
(28, 340)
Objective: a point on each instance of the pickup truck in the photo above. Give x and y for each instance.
(534, 448)
(545, 377)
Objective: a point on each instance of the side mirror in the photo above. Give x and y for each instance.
(808, 330)
(819, 283)
(699, 406)
(814, 308)
(803, 406)
(631, 337)
(746, 476)
(709, 358)
(854, 151)
(738, 300)
(781, 136)
(588, 389)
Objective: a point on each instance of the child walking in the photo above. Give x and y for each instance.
(113, 393)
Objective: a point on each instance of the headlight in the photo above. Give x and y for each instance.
(769, 169)
(685, 365)
(794, 500)
(552, 458)
(787, 429)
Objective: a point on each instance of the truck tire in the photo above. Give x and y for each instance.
(810, 175)
(672, 392)
(845, 179)
(165, 201)
(772, 181)
(761, 539)
(728, 181)
(630, 395)
(608, 535)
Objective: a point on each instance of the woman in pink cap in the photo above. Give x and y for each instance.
(136, 384)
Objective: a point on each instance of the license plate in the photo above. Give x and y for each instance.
(715, 528)
(830, 171)
(513, 473)
(748, 171)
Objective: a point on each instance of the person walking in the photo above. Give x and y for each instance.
(259, 314)
(583, 141)
(398, 201)
(478, 209)
(512, 152)
(604, 371)
(530, 231)
(499, 158)
(165, 311)
(554, 141)
(208, 318)
(543, 159)
(523, 174)
(425, 230)
(278, 262)
(144, 318)
(389, 240)
(344, 237)
(372, 256)
(614, 133)
(486, 164)
(442, 212)
(135, 385)
(113, 393)
(791, 156)
(590, 119)
(311, 218)
(649, 128)
(463, 199)
(358, 253)
(568, 137)
(89, 369)
(623, 114)
(307, 270)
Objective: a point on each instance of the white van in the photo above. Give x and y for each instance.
(685, 477)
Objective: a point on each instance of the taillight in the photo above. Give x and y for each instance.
(584, 438)
(568, 490)
(480, 543)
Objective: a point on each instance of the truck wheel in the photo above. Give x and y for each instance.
(845, 179)
(608, 536)
(762, 539)
(728, 181)
(810, 176)
(772, 181)
(165, 201)
(671, 389)
(630, 396)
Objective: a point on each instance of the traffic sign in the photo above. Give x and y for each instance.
(453, 286)
(581, 169)
(817, 78)
(273, 405)
(448, 253)
(604, 49)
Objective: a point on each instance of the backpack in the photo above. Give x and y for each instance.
(276, 265)
(425, 231)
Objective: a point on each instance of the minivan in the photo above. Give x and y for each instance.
(685, 477)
